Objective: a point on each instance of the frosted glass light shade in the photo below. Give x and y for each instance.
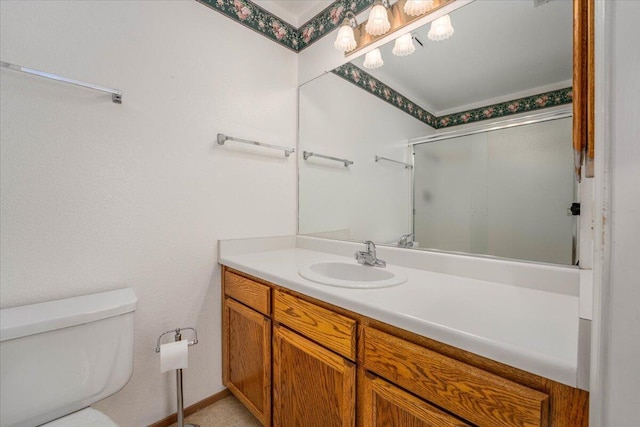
(404, 45)
(345, 41)
(378, 22)
(441, 29)
(373, 59)
(417, 7)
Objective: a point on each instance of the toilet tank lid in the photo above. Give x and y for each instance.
(33, 319)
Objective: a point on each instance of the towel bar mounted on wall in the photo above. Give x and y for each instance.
(222, 138)
(116, 95)
(307, 154)
(406, 165)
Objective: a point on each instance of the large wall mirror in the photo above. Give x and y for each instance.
(465, 145)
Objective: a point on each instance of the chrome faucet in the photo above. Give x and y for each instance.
(369, 257)
(406, 241)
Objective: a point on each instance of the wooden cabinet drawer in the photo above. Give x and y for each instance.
(248, 292)
(387, 405)
(478, 396)
(332, 330)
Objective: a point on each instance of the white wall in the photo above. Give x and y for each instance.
(615, 399)
(369, 200)
(98, 196)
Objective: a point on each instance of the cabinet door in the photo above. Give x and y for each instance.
(247, 358)
(478, 396)
(312, 386)
(385, 405)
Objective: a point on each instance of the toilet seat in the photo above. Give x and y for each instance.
(87, 417)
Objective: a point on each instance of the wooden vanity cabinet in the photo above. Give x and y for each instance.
(483, 398)
(384, 405)
(293, 361)
(326, 327)
(246, 360)
(290, 366)
(314, 376)
(312, 386)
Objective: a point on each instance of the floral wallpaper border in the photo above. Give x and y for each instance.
(374, 86)
(507, 108)
(256, 18)
(366, 81)
(269, 25)
(327, 20)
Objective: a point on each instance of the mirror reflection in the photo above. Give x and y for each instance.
(464, 145)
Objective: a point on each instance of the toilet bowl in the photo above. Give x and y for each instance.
(59, 357)
(87, 417)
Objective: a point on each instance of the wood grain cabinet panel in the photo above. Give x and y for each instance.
(247, 358)
(312, 386)
(332, 330)
(478, 396)
(248, 292)
(385, 405)
(309, 350)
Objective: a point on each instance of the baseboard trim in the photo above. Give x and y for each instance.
(173, 418)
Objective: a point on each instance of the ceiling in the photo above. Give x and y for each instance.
(295, 12)
(501, 50)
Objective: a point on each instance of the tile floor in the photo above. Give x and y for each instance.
(228, 412)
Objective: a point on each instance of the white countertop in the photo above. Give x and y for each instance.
(530, 329)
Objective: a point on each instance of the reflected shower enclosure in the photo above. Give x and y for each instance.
(503, 193)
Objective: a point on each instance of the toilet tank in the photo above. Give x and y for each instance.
(60, 356)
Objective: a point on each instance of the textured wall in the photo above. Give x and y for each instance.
(371, 200)
(98, 196)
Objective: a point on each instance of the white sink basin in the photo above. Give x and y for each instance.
(351, 275)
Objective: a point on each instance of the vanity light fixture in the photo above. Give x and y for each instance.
(441, 29)
(378, 23)
(346, 41)
(373, 60)
(386, 18)
(404, 45)
(417, 7)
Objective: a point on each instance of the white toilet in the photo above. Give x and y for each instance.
(59, 357)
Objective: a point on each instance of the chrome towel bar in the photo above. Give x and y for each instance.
(406, 165)
(307, 154)
(116, 95)
(222, 138)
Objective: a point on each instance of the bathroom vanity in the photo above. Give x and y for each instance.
(439, 349)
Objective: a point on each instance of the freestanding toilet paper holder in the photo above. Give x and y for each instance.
(178, 337)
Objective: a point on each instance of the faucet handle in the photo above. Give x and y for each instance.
(406, 239)
(371, 248)
(369, 257)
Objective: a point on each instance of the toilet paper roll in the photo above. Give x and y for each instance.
(174, 355)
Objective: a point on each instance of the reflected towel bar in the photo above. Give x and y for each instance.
(406, 165)
(222, 138)
(116, 95)
(307, 154)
